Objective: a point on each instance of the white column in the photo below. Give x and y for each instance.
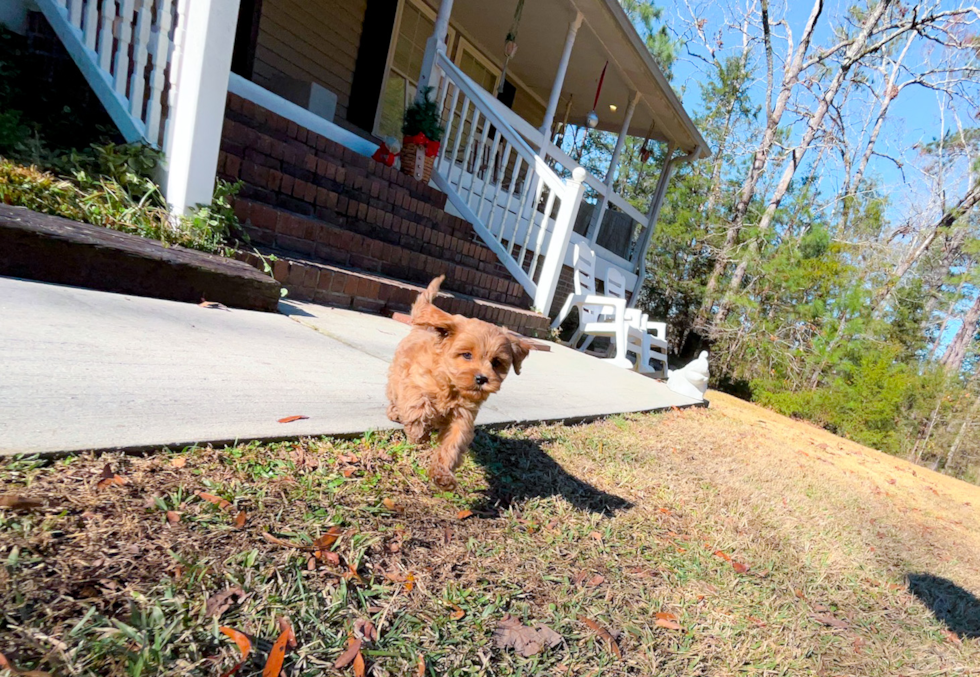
(596, 224)
(435, 43)
(554, 258)
(640, 255)
(198, 116)
(566, 55)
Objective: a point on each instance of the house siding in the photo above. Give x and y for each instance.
(313, 41)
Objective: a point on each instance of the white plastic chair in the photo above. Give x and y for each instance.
(647, 341)
(599, 315)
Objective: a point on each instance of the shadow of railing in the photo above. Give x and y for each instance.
(518, 469)
(958, 609)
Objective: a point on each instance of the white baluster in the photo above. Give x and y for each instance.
(477, 159)
(105, 35)
(539, 245)
(451, 122)
(519, 215)
(121, 70)
(75, 13)
(488, 177)
(497, 231)
(91, 23)
(459, 138)
(468, 148)
(510, 193)
(180, 31)
(141, 43)
(161, 56)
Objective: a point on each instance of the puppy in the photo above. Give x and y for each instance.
(442, 372)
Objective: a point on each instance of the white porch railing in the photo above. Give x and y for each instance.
(517, 204)
(128, 51)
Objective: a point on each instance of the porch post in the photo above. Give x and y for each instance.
(640, 255)
(613, 165)
(566, 55)
(198, 114)
(435, 43)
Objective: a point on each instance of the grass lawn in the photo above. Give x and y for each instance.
(767, 547)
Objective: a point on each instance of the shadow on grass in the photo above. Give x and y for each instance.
(956, 608)
(521, 469)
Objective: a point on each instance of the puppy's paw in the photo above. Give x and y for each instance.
(443, 477)
(393, 414)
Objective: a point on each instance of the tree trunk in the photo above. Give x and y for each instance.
(970, 416)
(956, 352)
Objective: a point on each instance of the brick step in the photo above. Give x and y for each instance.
(343, 287)
(390, 252)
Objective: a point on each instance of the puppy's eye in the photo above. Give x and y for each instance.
(497, 363)
(466, 356)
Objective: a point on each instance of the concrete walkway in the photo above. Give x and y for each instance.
(82, 370)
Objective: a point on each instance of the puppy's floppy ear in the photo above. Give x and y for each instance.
(427, 315)
(519, 349)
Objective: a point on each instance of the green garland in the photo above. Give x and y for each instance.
(423, 117)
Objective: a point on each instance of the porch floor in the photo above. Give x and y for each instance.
(89, 370)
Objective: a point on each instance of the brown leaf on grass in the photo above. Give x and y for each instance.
(952, 637)
(6, 665)
(596, 536)
(346, 658)
(15, 502)
(241, 640)
(348, 471)
(595, 581)
(831, 621)
(457, 614)
(604, 634)
(366, 629)
(178, 462)
(420, 669)
(348, 458)
(352, 575)
(463, 514)
(287, 628)
(409, 582)
(240, 519)
(216, 500)
(108, 478)
(525, 641)
(664, 616)
(642, 572)
(665, 511)
(290, 419)
(799, 593)
(669, 625)
(719, 553)
(756, 621)
(332, 558)
(275, 540)
(392, 506)
(220, 602)
(173, 517)
(359, 668)
(277, 654)
(739, 567)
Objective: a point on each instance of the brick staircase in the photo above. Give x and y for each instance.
(350, 232)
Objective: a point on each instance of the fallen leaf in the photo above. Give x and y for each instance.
(240, 639)
(277, 654)
(352, 575)
(220, 602)
(240, 519)
(178, 462)
(604, 634)
(109, 478)
(757, 621)
(596, 535)
(799, 593)
(211, 498)
(6, 665)
(346, 658)
(15, 502)
(525, 641)
(463, 514)
(290, 419)
(367, 629)
(348, 471)
(287, 544)
(669, 625)
(457, 614)
(420, 670)
(286, 627)
(719, 553)
(952, 637)
(595, 581)
(332, 558)
(359, 667)
(739, 567)
(827, 619)
(665, 511)
(173, 517)
(409, 582)
(392, 506)
(664, 616)
(326, 541)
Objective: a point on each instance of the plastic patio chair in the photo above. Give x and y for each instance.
(647, 342)
(599, 315)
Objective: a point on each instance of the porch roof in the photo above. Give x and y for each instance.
(606, 34)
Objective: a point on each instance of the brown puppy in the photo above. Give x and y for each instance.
(442, 372)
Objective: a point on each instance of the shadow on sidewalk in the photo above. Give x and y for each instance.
(958, 609)
(521, 469)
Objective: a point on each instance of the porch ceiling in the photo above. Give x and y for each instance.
(606, 34)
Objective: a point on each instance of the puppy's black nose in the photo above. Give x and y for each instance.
(481, 379)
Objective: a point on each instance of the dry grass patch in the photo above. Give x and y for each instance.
(704, 542)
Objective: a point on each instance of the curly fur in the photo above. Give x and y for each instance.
(443, 371)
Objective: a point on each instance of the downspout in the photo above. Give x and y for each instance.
(658, 200)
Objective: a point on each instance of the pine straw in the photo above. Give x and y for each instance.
(613, 521)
